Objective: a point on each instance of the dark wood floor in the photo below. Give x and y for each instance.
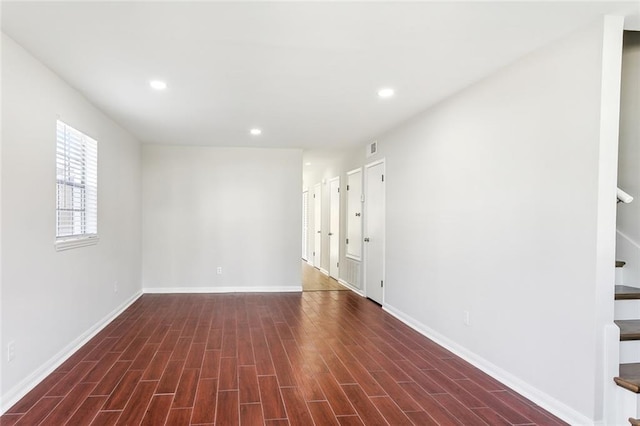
(276, 359)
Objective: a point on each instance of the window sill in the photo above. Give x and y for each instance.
(71, 243)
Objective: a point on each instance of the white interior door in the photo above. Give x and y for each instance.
(334, 228)
(317, 225)
(353, 242)
(374, 205)
(305, 225)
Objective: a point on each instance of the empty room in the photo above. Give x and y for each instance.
(329, 213)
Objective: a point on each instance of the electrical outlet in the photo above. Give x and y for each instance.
(115, 286)
(11, 351)
(219, 270)
(467, 318)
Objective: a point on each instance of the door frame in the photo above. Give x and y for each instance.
(317, 224)
(305, 224)
(365, 222)
(334, 235)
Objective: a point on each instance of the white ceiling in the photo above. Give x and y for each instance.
(305, 73)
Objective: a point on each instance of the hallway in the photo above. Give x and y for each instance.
(314, 280)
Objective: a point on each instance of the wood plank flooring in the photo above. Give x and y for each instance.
(324, 358)
(314, 280)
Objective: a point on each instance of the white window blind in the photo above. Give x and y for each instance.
(77, 185)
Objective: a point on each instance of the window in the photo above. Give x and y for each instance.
(76, 188)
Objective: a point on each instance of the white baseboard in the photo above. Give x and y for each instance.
(351, 287)
(544, 400)
(28, 383)
(324, 271)
(265, 289)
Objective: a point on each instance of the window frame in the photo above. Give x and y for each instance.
(77, 157)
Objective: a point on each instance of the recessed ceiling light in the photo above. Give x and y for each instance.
(255, 132)
(386, 92)
(307, 164)
(158, 84)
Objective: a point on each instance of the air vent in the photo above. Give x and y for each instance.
(372, 148)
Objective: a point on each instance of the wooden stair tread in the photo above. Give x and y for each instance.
(629, 377)
(620, 263)
(629, 329)
(624, 292)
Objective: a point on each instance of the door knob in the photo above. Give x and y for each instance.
(366, 240)
(330, 233)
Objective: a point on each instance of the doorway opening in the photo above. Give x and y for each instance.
(321, 222)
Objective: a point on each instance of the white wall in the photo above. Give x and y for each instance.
(493, 202)
(237, 208)
(51, 300)
(628, 248)
(503, 182)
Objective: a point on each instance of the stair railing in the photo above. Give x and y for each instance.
(623, 197)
